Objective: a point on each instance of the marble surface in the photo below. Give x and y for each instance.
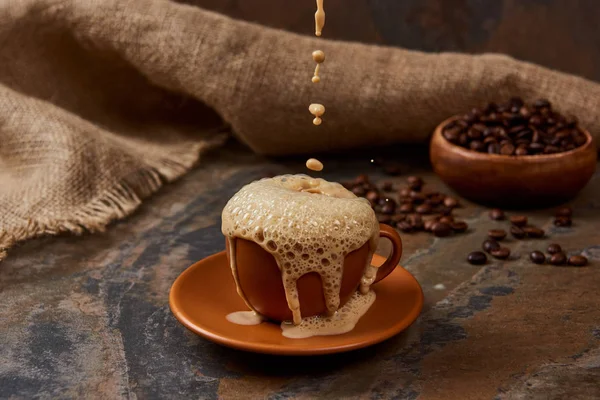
(88, 317)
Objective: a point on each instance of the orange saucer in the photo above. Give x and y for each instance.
(205, 293)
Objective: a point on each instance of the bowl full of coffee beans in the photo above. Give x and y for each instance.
(514, 154)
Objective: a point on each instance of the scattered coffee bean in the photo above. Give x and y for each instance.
(359, 191)
(406, 208)
(416, 221)
(417, 197)
(502, 253)
(564, 212)
(441, 229)
(414, 183)
(558, 259)
(384, 219)
(554, 248)
(515, 129)
(459, 226)
(428, 225)
(537, 257)
(388, 208)
(372, 196)
(362, 178)
(404, 192)
(518, 220)
(497, 234)
(563, 221)
(450, 202)
(423, 209)
(533, 232)
(398, 217)
(387, 186)
(517, 232)
(447, 219)
(497, 214)
(578, 261)
(404, 226)
(477, 258)
(489, 245)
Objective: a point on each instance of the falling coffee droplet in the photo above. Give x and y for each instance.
(319, 57)
(319, 18)
(317, 110)
(314, 165)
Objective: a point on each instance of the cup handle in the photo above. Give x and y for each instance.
(386, 231)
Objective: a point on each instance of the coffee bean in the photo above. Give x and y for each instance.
(518, 220)
(497, 234)
(459, 226)
(417, 197)
(416, 221)
(533, 232)
(387, 186)
(428, 225)
(404, 192)
(435, 200)
(507, 149)
(554, 248)
(558, 259)
(493, 148)
(443, 210)
(404, 226)
(536, 147)
(388, 208)
(423, 209)
(562, 221)
(517, 232)
(358, 191)
(362, 178)
(564, 212)
(441, 229)
(477, 145)
(537, 257)
(414, 182)
(497, 214)
(521, 151)
(502, 253)
(384, 219)
(477, 258)
(406, 208)
(578, 261)
(447, 219)
(372, 196)
(489, 245)
(450, 202)
(398, 217)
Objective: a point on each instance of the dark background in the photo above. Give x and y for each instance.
(561, 34)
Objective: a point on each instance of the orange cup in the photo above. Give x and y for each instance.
(260, 278)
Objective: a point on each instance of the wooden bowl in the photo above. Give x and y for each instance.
(512, 181)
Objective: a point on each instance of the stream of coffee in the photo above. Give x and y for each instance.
(318, 56)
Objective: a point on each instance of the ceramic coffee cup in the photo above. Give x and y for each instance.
(260, 278)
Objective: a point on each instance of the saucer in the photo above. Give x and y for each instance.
(205, 293)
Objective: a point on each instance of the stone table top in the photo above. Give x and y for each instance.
(89, 317)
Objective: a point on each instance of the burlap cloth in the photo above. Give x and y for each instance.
(101, 102)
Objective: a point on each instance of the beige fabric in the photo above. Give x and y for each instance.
(101, 102)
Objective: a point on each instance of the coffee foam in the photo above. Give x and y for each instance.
(308, 225)
(344, 319)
